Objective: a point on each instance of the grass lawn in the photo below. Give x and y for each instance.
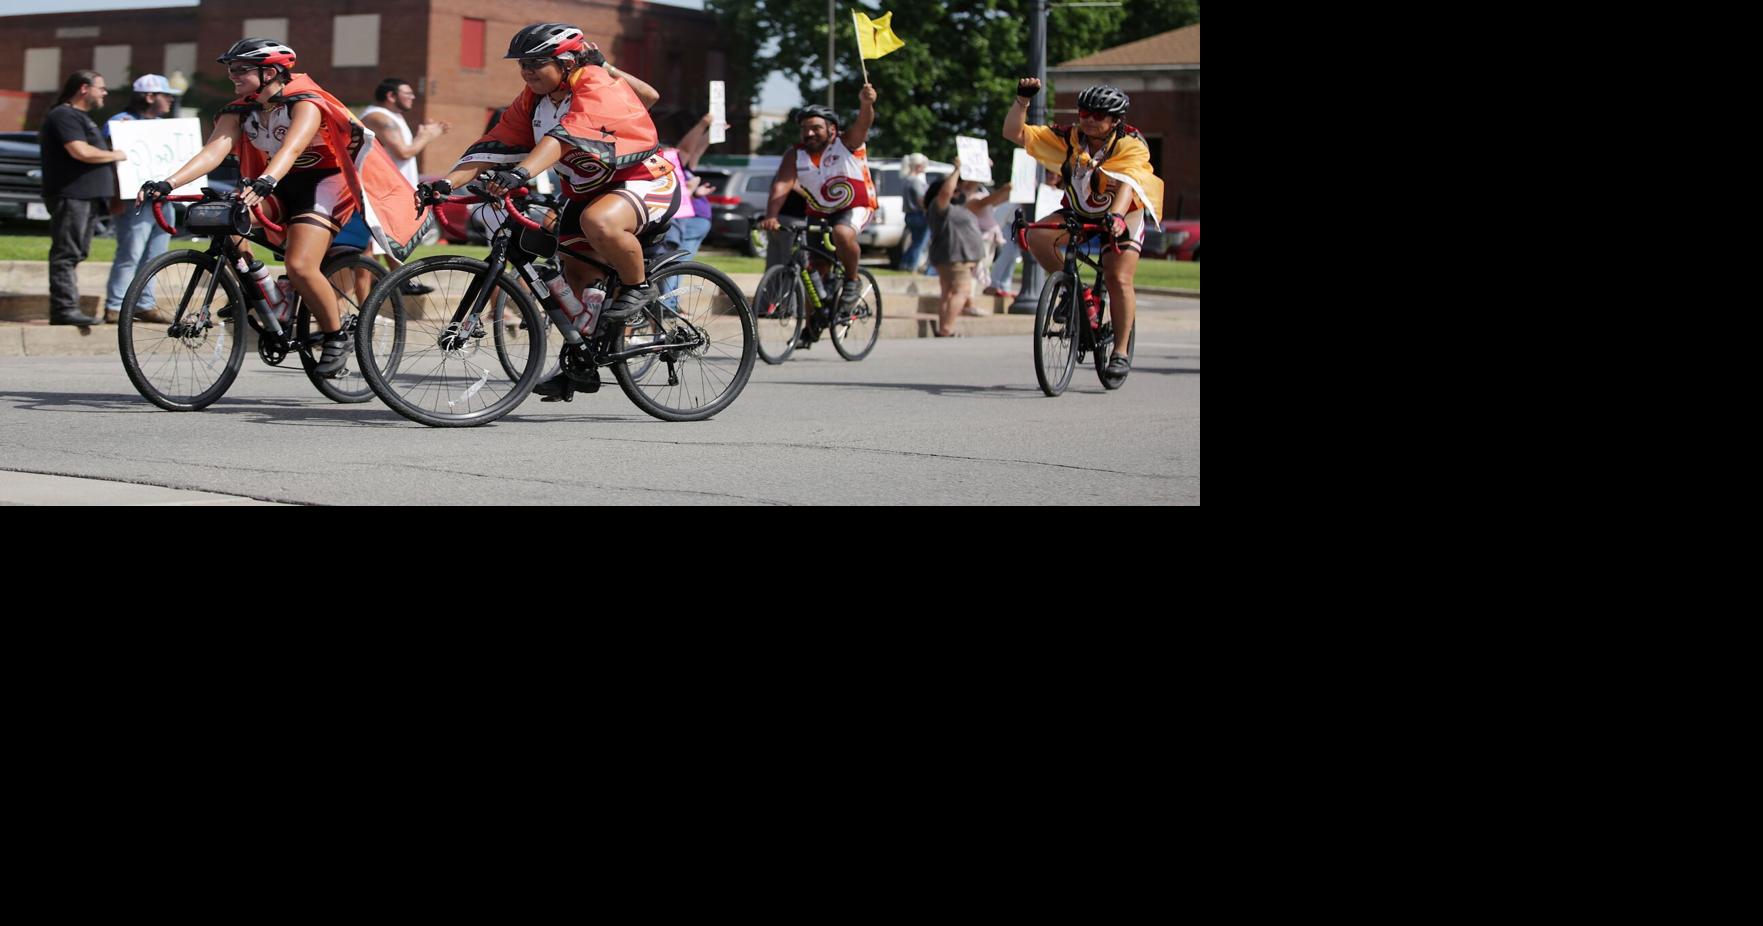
(25, 244)
(1169, 274)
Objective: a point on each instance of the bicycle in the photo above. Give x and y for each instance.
(1063, 332)
(789, 296)
(192, 364)
(685, 358)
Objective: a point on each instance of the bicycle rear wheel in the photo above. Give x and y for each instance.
(854, 336)
(186, 366)
(353, 276)
(712, 324)
(514, 340)
(777, 311)
(452, 375)
(1056, 337)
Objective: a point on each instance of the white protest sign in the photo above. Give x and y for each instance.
(156, 149)
(718, 112)
(1048, 201)
(1022, 178)
(976, 160)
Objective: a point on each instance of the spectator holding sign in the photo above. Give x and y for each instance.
(138, 237)
(77, 185)
(957, 244)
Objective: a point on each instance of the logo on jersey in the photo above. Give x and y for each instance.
(837, 194)
(587, 173)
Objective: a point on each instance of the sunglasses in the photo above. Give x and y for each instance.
(533, 64)
(1092, 114)
(240, 71)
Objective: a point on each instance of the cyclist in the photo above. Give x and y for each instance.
(313, 169)
(832, 172)
(1105, 169)
(619, 188)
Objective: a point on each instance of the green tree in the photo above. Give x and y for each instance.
(956, 76)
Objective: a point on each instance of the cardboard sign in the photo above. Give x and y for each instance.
(1022, 178)
(156, 149)
(976, 159)
(718, 113)
(1048, 202)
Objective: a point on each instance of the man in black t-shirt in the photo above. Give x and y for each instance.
(77, 187)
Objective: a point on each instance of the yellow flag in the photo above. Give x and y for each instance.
(876, 37)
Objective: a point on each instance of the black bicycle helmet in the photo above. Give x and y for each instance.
(266, 52)
(1104, 99)
(823, 112)
(546, 40)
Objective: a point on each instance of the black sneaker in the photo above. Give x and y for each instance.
(850, 299)
(413, 288)
(563, 387)
(1118, 365)
(337, 347)
(630, 302)
(556, 389)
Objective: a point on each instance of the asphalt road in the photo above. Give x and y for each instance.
(919, 422)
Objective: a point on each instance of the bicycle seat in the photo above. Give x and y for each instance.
(652, 235)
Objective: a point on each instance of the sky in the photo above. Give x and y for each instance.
(778, 93)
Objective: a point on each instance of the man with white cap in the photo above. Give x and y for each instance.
(138, 237)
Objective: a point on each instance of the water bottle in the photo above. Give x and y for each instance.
(287, 292)
(593, 298)
(274, 296)
(545, 280)
(566, 299)
(1090, 307)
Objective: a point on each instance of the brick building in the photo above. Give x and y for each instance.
(451, 50)
(1162, 75)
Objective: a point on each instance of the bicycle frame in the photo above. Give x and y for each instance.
(223, 247)
(505, 250)
(1076, 237)
(802, 249)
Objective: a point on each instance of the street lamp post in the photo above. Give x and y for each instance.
(1028, 299)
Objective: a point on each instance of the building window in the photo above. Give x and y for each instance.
(471, 44)
(42, 70)
(113, 62)
(180, 56)
(355, 41)
(267, 29)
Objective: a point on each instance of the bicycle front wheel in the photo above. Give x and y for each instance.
(177, 350)
(447, 374)
(353, 276)
(778, 311)
(708, 327)
(854, 335)
(1056, 334)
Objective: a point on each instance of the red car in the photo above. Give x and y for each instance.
(1179, 240)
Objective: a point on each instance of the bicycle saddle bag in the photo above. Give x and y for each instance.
(543, 242)
(226, 217)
